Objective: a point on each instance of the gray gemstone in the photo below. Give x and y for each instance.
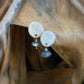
(36, 44)
(46, 54)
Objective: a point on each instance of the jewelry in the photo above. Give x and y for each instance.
(47, 39)
(35, 30)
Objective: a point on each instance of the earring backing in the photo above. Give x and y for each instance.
(47, 39)
(35, 30)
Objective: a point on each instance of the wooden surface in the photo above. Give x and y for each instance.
(4, 79)
(27, 65)
(61, 17)
(45, 77)
(6, 57)
(4, 5)
(54, 76)
(48, 13)
(1, 3)
(31, 56)
(17, 53)
(34, 56)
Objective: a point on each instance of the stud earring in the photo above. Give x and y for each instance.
(47, 39)
(35, 30)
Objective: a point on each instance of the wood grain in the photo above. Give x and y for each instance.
(17, 53)
(4, 5)
(6, 57)
(25, 58)
(54, 76)
(43, 12)
(61, 17)
(34, 58)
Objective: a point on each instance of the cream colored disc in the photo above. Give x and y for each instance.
(35, 29)
(47, 38)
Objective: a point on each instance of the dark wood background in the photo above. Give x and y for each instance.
(48, 13)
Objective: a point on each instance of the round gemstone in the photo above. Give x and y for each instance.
(46, 54)
(36, 44)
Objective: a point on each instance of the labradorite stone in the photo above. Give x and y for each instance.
(46, 54)
(36, 44)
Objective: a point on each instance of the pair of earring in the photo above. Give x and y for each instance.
(47, 38)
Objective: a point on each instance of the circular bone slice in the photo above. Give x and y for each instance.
(47, 38)
(35, 29)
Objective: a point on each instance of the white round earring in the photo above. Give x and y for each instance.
(35, 30)
(47, 39)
